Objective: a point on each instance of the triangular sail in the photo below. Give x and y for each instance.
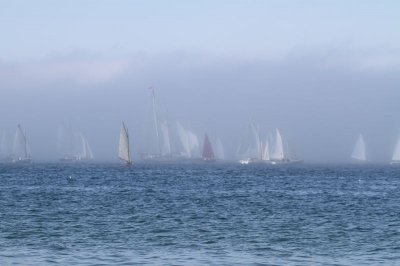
(165, 139)
(278, 152)
(89, 153)
(208, 152)
(251, 147)
(123, 147)
(183, 137)
(396, 153)
(359, 150)
(21, 149)
(265, 155)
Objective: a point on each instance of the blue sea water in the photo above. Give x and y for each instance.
(223, 214)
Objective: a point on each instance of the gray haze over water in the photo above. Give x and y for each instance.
(320, 96)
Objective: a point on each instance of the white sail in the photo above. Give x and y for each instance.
(188, 140)
(396, 153)
(165, 139)
(219, 150)
(193, 143)
(265, 155)
(183, 137)
(359, 150)
(251, 146)
(84, 150)
(123, 147)
(89, 153)
(21, 150)
(278, 152)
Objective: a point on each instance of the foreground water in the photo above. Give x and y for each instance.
(199, 214)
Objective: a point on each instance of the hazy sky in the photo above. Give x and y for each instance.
(322, 71)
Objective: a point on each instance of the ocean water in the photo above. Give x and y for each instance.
(227, 214)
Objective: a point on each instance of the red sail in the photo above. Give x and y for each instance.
(208, 153)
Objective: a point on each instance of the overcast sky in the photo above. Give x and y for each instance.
(321, 71)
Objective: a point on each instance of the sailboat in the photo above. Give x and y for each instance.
(280, 153)
(396, 153)
(189, 142)
(251, 150)
(124, 152)
(208, 151)
(21, 151)
(359, 154)
(160, 142)
(85, 151)
(73, 146)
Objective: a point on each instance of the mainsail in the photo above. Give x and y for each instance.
(21, 150)
(208, 152)
(123, 147)
(359, 153)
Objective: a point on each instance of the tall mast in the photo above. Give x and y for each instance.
(155, 121)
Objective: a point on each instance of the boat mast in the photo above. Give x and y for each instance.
(155, 120)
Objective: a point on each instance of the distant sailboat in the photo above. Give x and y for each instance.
(189, 141)
(251, 150)
(159, 147)
(396, 153)
(21, 151)
(73, 145)
(280, 153)
(265, 151)
(124, 152)
(359, 153)
(208, 151)
(86, 151)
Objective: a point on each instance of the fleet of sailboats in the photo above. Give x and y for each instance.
(270, 149)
